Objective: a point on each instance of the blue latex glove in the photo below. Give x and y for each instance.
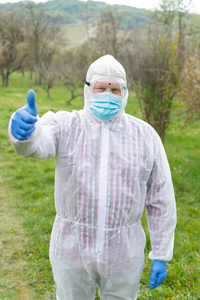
(158, 273)
(23, 122)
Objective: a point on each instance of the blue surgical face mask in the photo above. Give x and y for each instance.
(105, 105)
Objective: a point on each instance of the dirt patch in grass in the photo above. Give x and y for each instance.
(13, 241)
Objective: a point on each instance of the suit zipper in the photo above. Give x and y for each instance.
(102, 199)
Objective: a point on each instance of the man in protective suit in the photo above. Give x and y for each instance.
(110, 165)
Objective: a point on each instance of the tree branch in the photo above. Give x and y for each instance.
(73, 97)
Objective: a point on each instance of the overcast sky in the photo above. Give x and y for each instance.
(149, 4)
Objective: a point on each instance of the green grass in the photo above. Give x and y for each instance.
(27, 205)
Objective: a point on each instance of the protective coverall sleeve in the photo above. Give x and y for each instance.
(43, 142)
(161, 207)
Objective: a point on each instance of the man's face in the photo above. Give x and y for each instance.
(101, 87)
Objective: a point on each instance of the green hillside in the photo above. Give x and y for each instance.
(76, 12)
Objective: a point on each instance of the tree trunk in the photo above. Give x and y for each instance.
(5, 80)
(40, 79)
(49, 95)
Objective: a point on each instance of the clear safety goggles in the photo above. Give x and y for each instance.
(101, 84)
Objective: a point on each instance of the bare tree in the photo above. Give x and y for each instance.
(104, 35)
(175, 15)
(11, 38)
(155, 59)
(44, 40)
(73, 69)
(51, 54)
(152, 63)
(189, 92)
(49, 74)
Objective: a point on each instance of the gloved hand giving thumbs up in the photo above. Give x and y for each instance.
(23, 122)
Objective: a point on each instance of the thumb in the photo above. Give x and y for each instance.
(32, 109)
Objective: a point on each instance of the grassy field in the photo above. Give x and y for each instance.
(27, 206)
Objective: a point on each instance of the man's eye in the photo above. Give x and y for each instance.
(101, 89)
(116, 91)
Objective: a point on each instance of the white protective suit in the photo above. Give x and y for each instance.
(106, 173)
